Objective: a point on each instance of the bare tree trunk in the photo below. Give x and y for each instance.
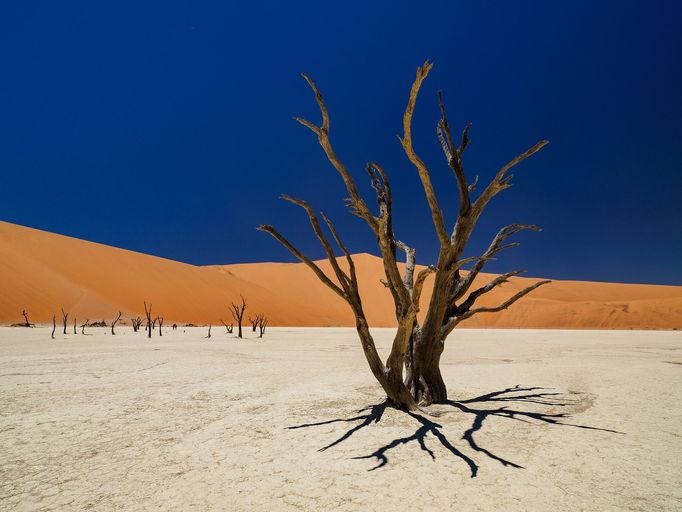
(254, 323)
(238, 313)
(113, 324)
(83, 327)
(148, 312)
(209, 331)
(160, 325)
(65, 315)
(54, 325)
(262, 323)
(416, 350)
(26, 322)
(74, 325)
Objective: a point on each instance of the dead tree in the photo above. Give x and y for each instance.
(175, 327)
(137, 322)
(160, 319)
(74, 325)
(209, 331)
(113, 324)
(65, 316)
(254, 323)
(411, 375)
(262, 324)
(83, 327)
(229, 328)
(25, 315)
(54, 325)
(148, 312)
(238, 313)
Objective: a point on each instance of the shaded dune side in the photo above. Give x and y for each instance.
(42, 272)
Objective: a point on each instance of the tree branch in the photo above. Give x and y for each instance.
(495, 247)
(453, 321)
(406, 141)
(454, 155)
(500, 181)
(357, 203)
(344, 280)
(303, 258)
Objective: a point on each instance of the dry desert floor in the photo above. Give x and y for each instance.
(538, 420)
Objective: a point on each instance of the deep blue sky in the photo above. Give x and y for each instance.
(165, 127)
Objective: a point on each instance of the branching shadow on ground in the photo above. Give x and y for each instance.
(509, 398)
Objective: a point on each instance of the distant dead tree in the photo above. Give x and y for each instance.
(74, 325)
(54, 325)
(148, 312)
(137, 322)
(25, 323)
(175, 327)
(209, 331)
(238, 313)
(229, 328)
(254, 323)
(160, 319)
(262, 323)
(65, 315)
(83, 327)
(411, 375)
(113, 324)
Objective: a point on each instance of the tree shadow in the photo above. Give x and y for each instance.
(478, 408)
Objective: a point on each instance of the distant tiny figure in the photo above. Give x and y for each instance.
(175, 326)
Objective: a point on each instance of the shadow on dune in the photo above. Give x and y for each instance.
(508, 403)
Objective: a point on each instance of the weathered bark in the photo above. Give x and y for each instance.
(113, 324)
(237, 311)
(416, 349)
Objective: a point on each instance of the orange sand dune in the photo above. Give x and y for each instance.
(43, 272)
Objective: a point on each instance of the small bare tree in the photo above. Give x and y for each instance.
(411, 375)
(65, 316)
(160, 319)
(262, 324)
(229, 328)
(254, 323)
(25, 315)
(137, 322)
(74, 325)
(113, 324)
(83, 326)
(54, 325)
(238, 313)
(148, 312)
(209, 331)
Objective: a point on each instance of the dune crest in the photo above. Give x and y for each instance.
(43, 271)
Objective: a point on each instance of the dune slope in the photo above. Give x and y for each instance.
(44, 272)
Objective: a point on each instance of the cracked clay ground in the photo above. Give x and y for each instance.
(537, 420)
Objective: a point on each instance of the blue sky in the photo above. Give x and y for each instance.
(165, 127)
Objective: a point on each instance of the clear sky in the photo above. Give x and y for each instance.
(165, 127)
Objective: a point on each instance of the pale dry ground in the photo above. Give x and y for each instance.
(184, 423)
